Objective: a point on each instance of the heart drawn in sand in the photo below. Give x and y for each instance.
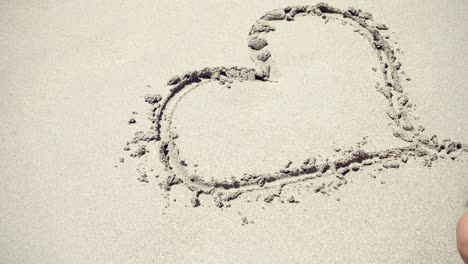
(399, 111)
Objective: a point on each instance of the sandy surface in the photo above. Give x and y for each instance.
(72, 74)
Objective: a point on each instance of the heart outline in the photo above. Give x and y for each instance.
(399, 111)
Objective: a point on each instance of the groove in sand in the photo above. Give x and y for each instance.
(400, 111)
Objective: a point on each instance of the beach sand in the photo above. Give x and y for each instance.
(75, 74)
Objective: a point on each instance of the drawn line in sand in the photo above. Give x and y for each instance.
(400, 111)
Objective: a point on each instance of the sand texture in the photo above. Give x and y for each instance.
(287, 133)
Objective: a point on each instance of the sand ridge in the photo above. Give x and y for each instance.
(330, 174)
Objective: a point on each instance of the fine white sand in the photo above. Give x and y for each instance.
(72, 73)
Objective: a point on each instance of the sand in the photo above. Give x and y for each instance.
(342, 142)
